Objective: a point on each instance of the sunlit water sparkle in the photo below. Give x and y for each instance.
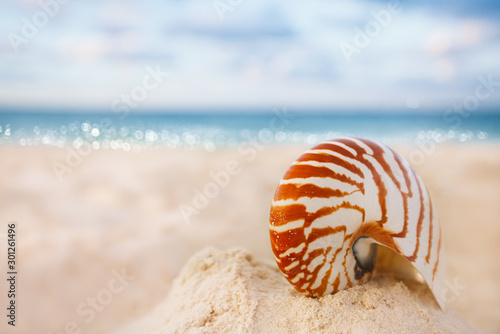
(208, 132)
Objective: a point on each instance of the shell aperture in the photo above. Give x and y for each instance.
(338, 202)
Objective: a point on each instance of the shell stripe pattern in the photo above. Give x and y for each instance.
(344, 189)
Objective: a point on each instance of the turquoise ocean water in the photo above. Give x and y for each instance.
(135, 131)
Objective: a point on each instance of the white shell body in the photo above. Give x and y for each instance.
(348, 190)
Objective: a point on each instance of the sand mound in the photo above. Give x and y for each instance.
(230, 292)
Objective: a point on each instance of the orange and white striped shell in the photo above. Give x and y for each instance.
(337, 202)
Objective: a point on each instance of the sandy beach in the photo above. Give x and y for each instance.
(231, 292)
(100, 246)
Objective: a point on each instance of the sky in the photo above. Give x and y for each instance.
(402, 55)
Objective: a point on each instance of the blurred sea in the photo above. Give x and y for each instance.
(136, 131)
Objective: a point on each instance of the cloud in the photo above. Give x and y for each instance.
(261, 54)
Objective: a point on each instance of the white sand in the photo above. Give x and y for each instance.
(121, 210)
(231, 292)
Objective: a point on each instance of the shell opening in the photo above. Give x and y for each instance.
(364, 250)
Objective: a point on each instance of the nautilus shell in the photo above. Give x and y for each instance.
(337, 203)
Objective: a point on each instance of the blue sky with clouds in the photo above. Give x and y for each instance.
(422, 55)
